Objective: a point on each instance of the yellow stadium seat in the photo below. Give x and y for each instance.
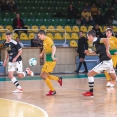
(9, 27)
(89, 28)
(83, 28)
(60, 29)
(3, 36)
(74, 36)
(2, 29)
(68, 29)
(0, 38)
(50, 35)
(51, 29)
(104, 28)
(31, 36)
(73, 43)
(115, 29)
(43, 27)
(28, 28)
(101, 29)
(15, 35)
(23, 36)
(75, 29)
(35, 28)
(66, 36)
(58, 36)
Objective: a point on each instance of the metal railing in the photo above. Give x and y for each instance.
(45, 31)
(65, 36)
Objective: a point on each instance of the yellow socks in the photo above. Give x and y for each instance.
(107, 76)
(53, 77)
(49, 84)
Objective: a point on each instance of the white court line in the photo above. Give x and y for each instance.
(46, 115)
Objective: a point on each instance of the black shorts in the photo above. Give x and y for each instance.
(82, 55)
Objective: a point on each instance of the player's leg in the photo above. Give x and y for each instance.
(112, 74)
(19, 69)
(47, 68)
(52, 65)
(11, 69)
(96, 70)
(114, 59)
(91, 75)
(108, 78)
(59, 79)
(48, 83)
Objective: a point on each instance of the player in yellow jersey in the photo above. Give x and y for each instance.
(113, 51)
(49, 49)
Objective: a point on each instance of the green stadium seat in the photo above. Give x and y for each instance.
(1, 16)
(46, 22)
(23, 14)
(29, 22)
(61, 22)
(6, 14)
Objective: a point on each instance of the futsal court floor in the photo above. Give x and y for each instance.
(68, 102)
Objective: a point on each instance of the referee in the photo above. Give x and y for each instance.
(82, 46)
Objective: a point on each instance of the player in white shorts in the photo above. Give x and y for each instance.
(13, 53)
(101, 47)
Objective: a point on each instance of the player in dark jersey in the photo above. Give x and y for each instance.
(14, 52)
(101, 47)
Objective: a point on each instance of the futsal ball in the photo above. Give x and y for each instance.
(32, 62)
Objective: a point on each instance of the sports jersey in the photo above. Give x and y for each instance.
(12, 48)
(100, 49)
(47, 45)
(113, 45)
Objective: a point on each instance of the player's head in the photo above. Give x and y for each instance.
(91, 35)
(18, 39)
(109, 32)
(41, 34)
(80, 33)
(8, 36)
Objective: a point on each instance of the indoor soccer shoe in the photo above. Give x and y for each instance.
(88, 93)
(51, 93)
(60, 81)
(30, 72)
(17, 91)
(108, 84)
(112, 84)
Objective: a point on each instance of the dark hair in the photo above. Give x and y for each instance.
(41, 32)
(8, 33)
(92, 33)
(81, 31)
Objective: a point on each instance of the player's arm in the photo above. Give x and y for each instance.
(41, 54)
(6, 58)
(19, 54)
(107, 45)
(115, 52)
(19, 48)
(53, 52)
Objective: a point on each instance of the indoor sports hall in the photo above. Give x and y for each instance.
(62, 20)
